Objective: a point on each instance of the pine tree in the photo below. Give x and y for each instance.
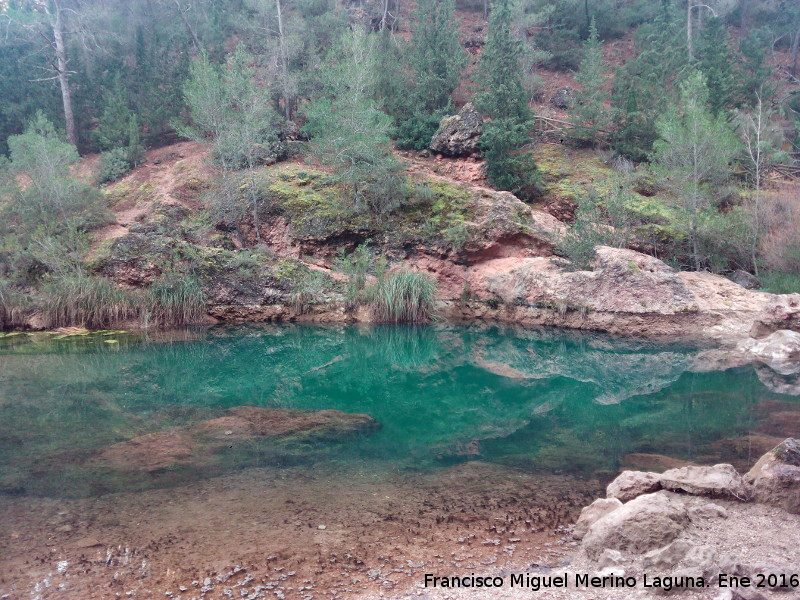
(500, 77)
(435, 54)
(694, 153)
(502, 97)
(717, 63)
(350, 132)
(590, 115)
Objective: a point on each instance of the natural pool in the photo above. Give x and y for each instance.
(137, 442)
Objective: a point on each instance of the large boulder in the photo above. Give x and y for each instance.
(593, 513)
(645, 523)
(458, 134)
(776, 476)
(717, 481)
(745, 279)
(632, 484)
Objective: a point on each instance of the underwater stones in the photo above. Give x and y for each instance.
(151, 452)
(631, 484)
(717, 481)
(200, 445)
(645, 523)
(776, 476)
(593, 513)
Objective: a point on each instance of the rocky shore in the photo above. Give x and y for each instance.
(690, 532)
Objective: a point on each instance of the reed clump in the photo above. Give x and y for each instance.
(402, 297)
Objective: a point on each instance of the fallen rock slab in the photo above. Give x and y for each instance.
(632, 484)
(719, 481)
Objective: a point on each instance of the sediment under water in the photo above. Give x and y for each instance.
(128, 463)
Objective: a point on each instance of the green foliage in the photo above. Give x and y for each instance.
(356, 266)
(435, 54)
(606, 220)
(403, 297)
(415, 131)
(174, 299)
(13, 305)
(113, 165)
(644, 88)
(717, 63)
(590, 116)
(229, 108)
(54, 199)
(508, 168)
(755, 73)
(778, 282)
(694, 155)
(349, 132)
(501, 92)
(84, 300)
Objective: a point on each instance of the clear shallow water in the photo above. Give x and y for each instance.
(544, 401)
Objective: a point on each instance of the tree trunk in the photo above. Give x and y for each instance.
(195, 39)
(284, 64)
(63, 75)
(689, 42)
(794, 53)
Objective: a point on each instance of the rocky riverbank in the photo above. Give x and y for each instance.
(692, 532)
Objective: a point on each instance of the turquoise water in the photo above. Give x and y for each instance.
(543, 401)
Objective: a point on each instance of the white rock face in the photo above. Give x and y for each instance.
(632, 484)
(592, 513)
(717, 481)
(645, 523)
(780, 351)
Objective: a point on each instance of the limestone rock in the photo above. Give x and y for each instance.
(776, 476)
(717, 481)
(593, 513)
(667, 557)
(458, 134)
(631, 484)
(610, 558)
(564, 98)
(707, 510)
(780, 351)
(647, 522)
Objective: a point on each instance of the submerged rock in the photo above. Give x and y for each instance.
(776, 476)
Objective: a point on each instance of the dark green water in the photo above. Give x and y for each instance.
(540, 400)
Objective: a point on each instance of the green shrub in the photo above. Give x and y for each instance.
(113, 165)
(84, 300)
(415, 132)
(174, 299)
(355, 265)
(403, 297)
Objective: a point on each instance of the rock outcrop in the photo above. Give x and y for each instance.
(776, 476)
(458, 134)
(593, 513)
